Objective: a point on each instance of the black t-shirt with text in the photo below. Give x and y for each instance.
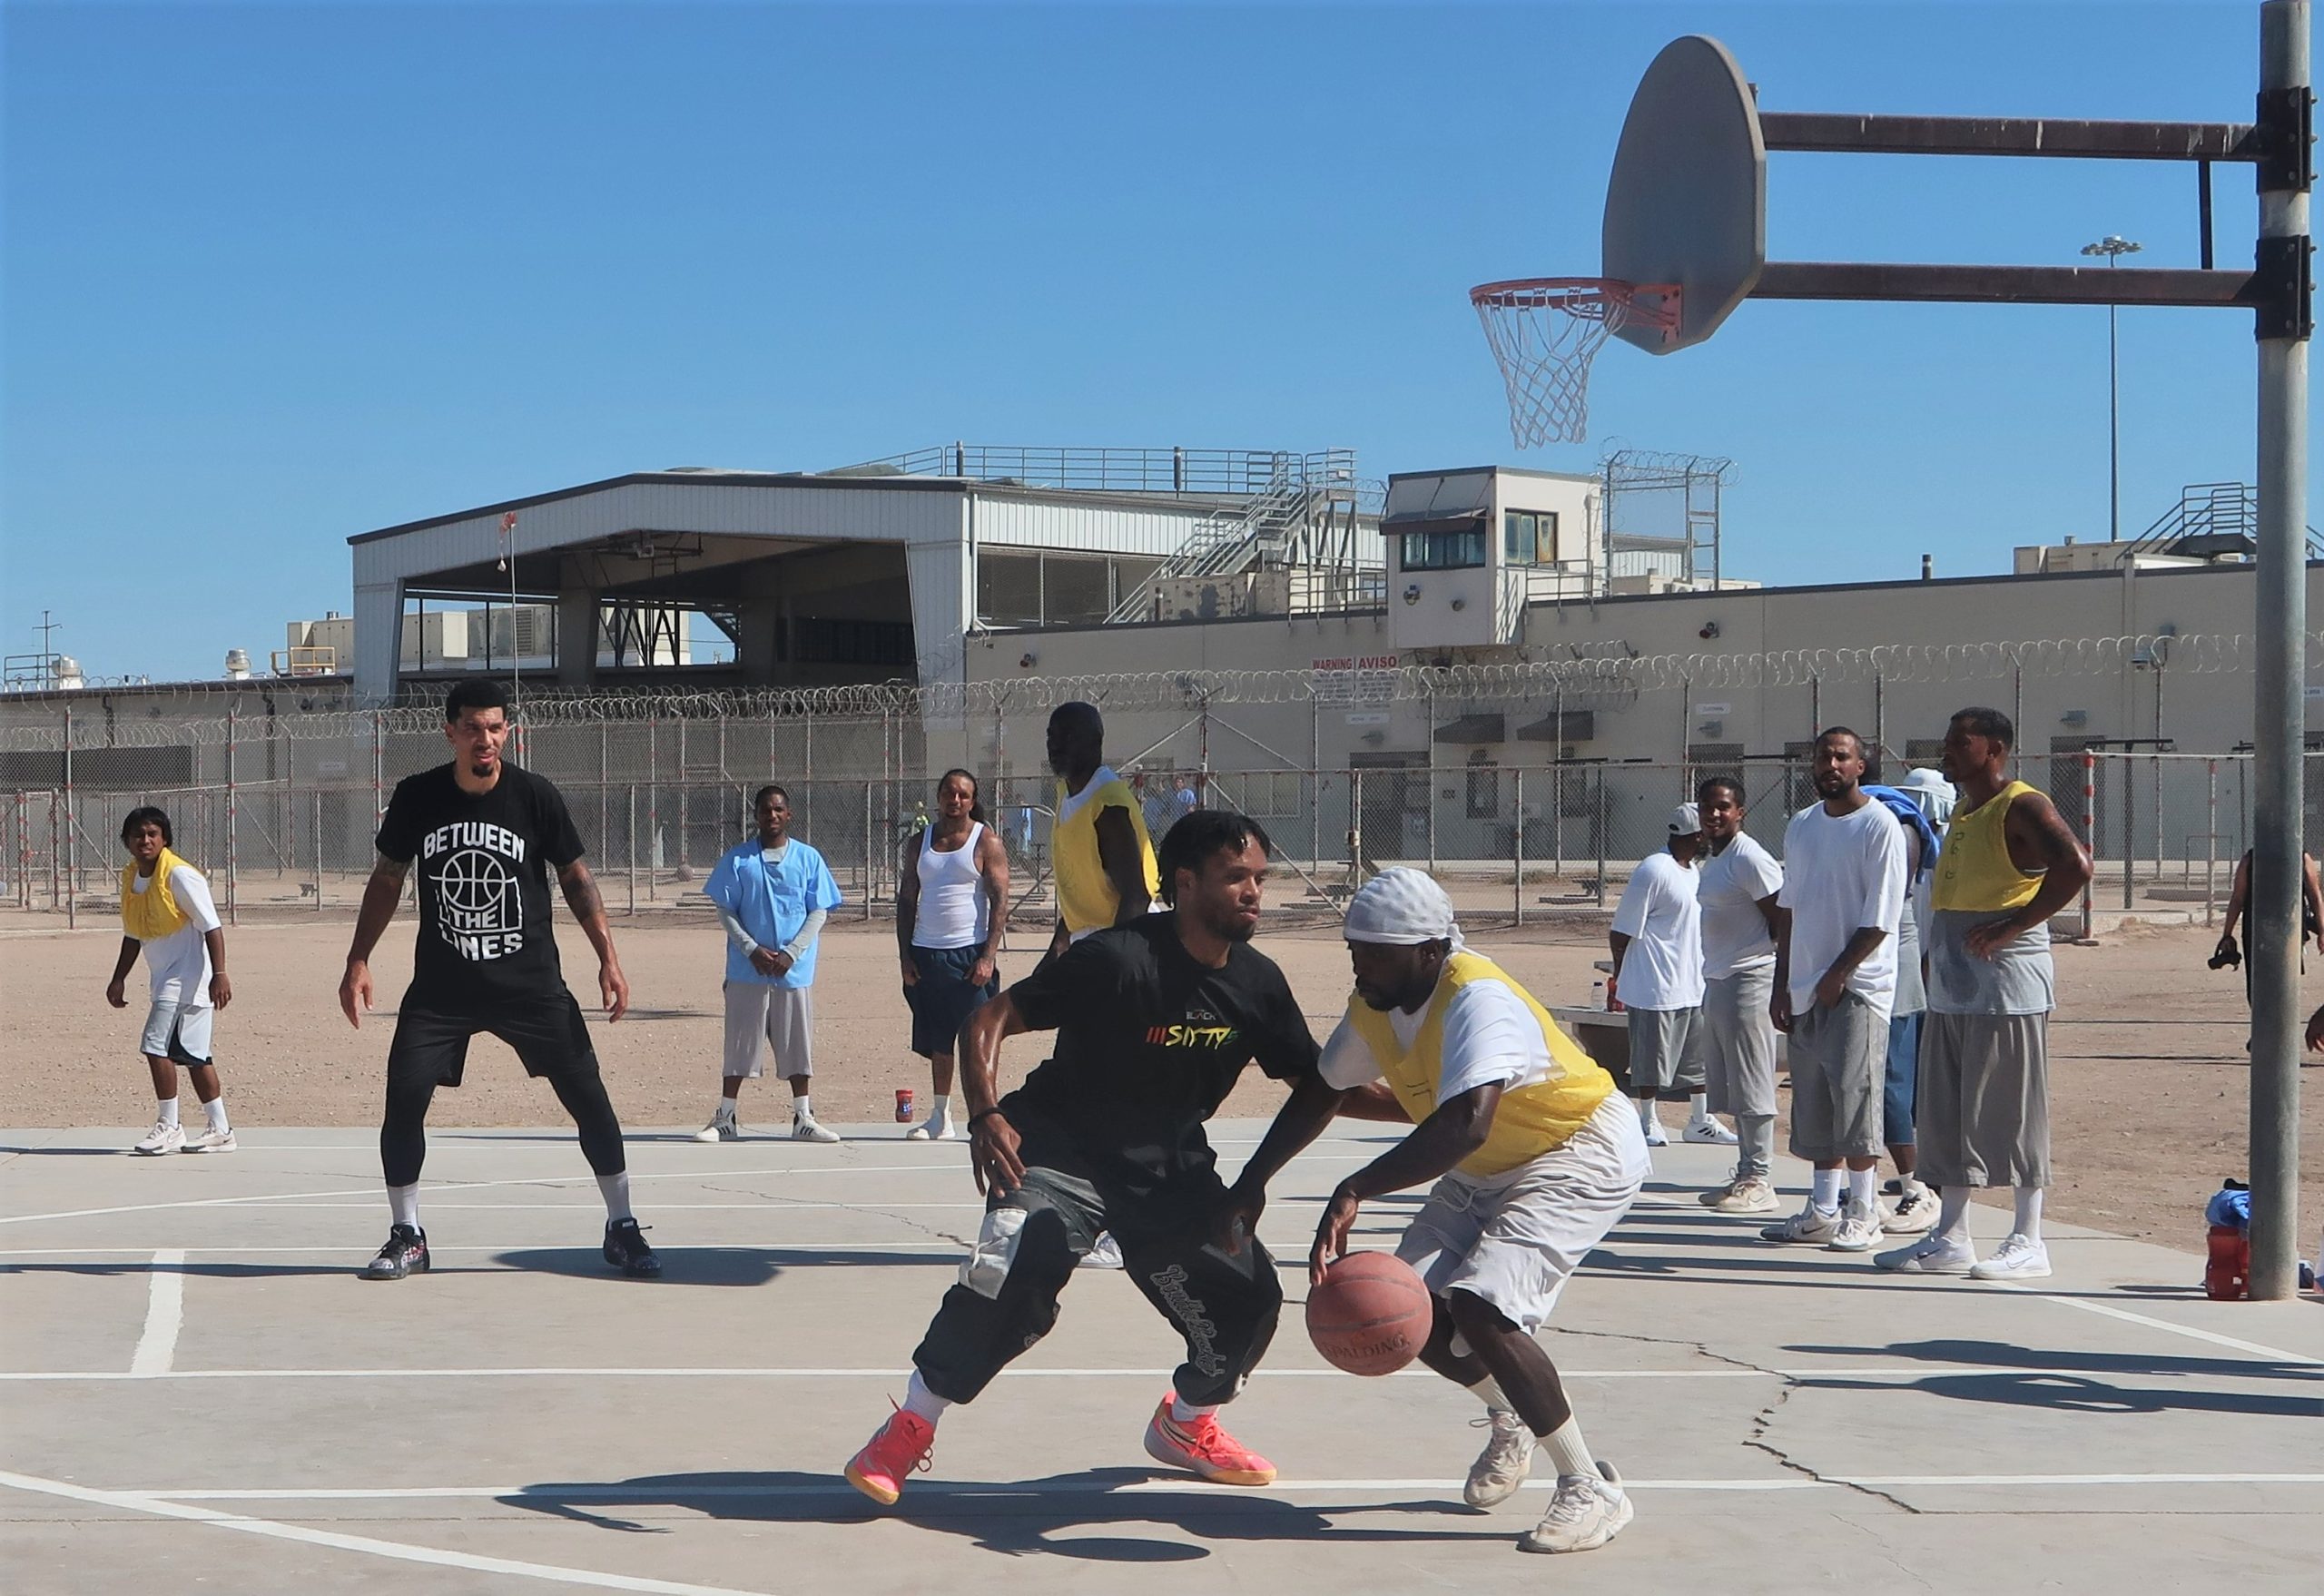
(1149, 1042)
(484, 862)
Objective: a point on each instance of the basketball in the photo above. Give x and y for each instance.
(1369, 1315)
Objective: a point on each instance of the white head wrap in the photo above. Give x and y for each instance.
(1401, 907)
(1933, 792)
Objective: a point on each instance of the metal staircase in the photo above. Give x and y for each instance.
(1304, 515)
(2212, 521)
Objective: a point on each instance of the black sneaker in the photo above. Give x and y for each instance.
(626, 1250)
(405, 1253)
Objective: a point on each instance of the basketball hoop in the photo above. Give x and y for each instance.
(1544, 330)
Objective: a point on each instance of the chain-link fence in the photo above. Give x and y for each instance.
(281, 811)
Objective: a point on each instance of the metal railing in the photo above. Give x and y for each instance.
(1227, 472)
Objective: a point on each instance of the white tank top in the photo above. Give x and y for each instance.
(953, 911)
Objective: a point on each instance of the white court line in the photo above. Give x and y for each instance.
(2277, 1353)
(128, 1502)
(554, 1371)
(651, 1495)
(157, 1348)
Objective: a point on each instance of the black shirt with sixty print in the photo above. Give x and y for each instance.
(484, 861)
(1149, 1042)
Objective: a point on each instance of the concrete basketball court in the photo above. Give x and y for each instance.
(201, 1393)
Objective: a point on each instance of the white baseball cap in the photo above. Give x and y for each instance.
(1685, 820)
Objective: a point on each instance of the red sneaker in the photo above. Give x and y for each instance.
(1204, 1445)
(891, 1456)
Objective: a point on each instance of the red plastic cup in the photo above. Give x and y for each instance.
(904, 1105)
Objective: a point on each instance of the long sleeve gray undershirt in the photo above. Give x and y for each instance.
(796, 947)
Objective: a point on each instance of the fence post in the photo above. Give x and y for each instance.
(55, 854)
(72, 835)
(2088, 832)
(685, 806)
(867, 841)
(2210, 845)
(1557, 779)
(1601, 836)
(2130, 829)
(1431, 794)
(1517, 875)
(234, 809)
(319, 852)
(1355, 828)
(653, 801)
(605, 783)
(379, 770)
(629, 873)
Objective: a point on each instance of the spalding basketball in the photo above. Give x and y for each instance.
(1371, 1314)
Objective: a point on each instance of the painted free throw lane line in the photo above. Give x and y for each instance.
(652, 1495)
(126, 1501)
(157, 1348)
(572, 1372)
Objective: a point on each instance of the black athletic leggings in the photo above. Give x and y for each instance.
(430, 1049)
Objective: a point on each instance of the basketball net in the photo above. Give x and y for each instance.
(1544, 331)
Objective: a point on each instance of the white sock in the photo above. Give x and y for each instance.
(800, 1108)
(616, 1188)
(1952, 1213)
(1824, 1191)
(1864, 1190)
(1488, 1391)
(2028, 1223)
(403, 1204)
(167, 1110)
(1906, 1185)
(725, 1112)
(1570, 1452)
(1645, 1111)
(920, 1400)
(1186, 1413)
(1699, 1107)
(940, 1108)
(214, 1111)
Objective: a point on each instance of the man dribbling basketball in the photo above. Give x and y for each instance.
(1535, 1159)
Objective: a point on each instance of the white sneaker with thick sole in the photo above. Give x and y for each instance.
(1859, 1228)
(1934, 1254)
(1106, 1255)
(1709, 1131)
(1805, 1226)
(1584, 1515)
(162, 1138)
(1751, 1194)
(1502, 1467)
(211, 1141)
(802, 1128)
(2021, 1257)
(720, 1130)
(1913, 1214)
(934, 1129)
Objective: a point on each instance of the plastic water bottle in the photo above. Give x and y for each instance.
(1597, 994)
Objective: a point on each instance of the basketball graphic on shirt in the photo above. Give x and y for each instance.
(475, 894)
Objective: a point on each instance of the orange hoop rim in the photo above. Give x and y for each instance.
(1578, 295)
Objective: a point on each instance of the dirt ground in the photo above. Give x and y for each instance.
(2148, 1090)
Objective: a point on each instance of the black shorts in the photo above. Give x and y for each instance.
(548, 1034)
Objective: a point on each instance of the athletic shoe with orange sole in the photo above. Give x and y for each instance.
(891, 1456)
(1204, 1445)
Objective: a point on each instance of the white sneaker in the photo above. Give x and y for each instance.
(1584, 1514)
(1751, 1194)
(211, 1141)
(804, 1129)
(1807, 1224)
(1709, 1131)
(1106, 1255)
(1859, 1228)
(1655, 1137)
(1934, 1254)
(1913, 1214)
(2021, 1257)
(935, 1129)
(1502, 1467)
(162, 1138)
(720, 1130)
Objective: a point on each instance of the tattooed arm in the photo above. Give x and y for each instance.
(588, 906)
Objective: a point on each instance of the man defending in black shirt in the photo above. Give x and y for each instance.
(485, 835)
(1155, 1022)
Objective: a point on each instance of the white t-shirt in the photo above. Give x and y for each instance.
(1730, 884)
(178, 963)
(1841, 873)
(1490, 1036)
(1663, 966)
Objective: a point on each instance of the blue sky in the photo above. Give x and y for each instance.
(277, 274)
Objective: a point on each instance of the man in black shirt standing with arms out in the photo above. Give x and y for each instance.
(1155, 1022)
(484, 834)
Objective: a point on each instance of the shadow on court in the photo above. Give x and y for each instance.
(2028, 1377)
(720, 1266)
(1016, 1518)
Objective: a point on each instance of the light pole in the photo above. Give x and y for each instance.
(2113, 248)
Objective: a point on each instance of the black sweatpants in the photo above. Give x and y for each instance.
(1034, 1236)
(550, 1038)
